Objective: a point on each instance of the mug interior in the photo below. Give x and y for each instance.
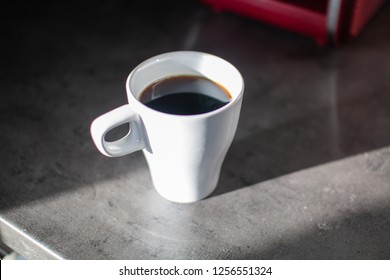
(184, 63)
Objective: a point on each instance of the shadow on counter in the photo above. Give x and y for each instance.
(303, 106)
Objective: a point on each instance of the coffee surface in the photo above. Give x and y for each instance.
(185, 95)
(185, 103)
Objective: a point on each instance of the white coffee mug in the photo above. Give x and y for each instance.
(184, 152)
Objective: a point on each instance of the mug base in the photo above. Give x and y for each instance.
(184, 199)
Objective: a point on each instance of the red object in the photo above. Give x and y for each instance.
(324, 20)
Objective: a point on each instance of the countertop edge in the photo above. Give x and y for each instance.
(24, 244)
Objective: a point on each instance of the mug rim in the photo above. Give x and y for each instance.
(136, 102)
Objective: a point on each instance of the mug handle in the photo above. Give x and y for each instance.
(133, 141)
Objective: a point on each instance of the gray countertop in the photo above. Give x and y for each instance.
(307, 175)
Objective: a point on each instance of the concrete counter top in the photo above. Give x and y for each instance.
(307, 175)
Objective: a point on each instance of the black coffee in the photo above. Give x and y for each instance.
(185, 95)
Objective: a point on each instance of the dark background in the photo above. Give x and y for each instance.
(313, 132)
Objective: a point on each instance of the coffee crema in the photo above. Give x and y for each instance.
(185, 95)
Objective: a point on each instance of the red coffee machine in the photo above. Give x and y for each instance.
(327, 21)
